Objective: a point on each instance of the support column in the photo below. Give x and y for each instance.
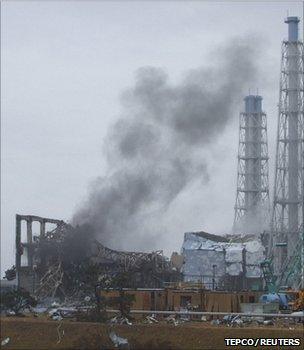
(42, 228)
(29, 235)
(18, 247)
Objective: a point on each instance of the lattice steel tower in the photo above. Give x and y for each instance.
(252, 198)
(287, 216)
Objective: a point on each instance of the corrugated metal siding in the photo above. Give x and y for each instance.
(202, 254)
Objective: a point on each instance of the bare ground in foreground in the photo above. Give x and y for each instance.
(37, 333)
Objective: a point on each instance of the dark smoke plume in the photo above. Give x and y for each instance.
(154, 150)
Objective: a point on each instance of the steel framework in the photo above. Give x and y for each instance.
(131, 260)
(287, 215)
(45, 273)
(252, 198)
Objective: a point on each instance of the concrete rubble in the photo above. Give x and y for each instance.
(120, 320)
(119, 342)
(151, 319)
(5, 341)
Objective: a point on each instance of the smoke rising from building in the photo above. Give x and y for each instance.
(155, 149)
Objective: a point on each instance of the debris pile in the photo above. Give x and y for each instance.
(119, 342)
(120, 320)
(68, 263)
(5, 341)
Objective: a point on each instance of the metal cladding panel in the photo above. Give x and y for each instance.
(254, 258)
(201, 262)
(192, 241)
(201, 254)
(234, 255)
(234, 269)
(254, 246)
(253, 271)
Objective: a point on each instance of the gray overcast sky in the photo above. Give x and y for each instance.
(64, 67)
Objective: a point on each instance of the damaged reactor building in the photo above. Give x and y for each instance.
(58, 262)
(222, 262)
(234, 262)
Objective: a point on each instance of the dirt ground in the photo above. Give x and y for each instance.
(36, 333)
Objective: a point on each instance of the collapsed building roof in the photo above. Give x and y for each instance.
(209, 236)
(55, 260)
